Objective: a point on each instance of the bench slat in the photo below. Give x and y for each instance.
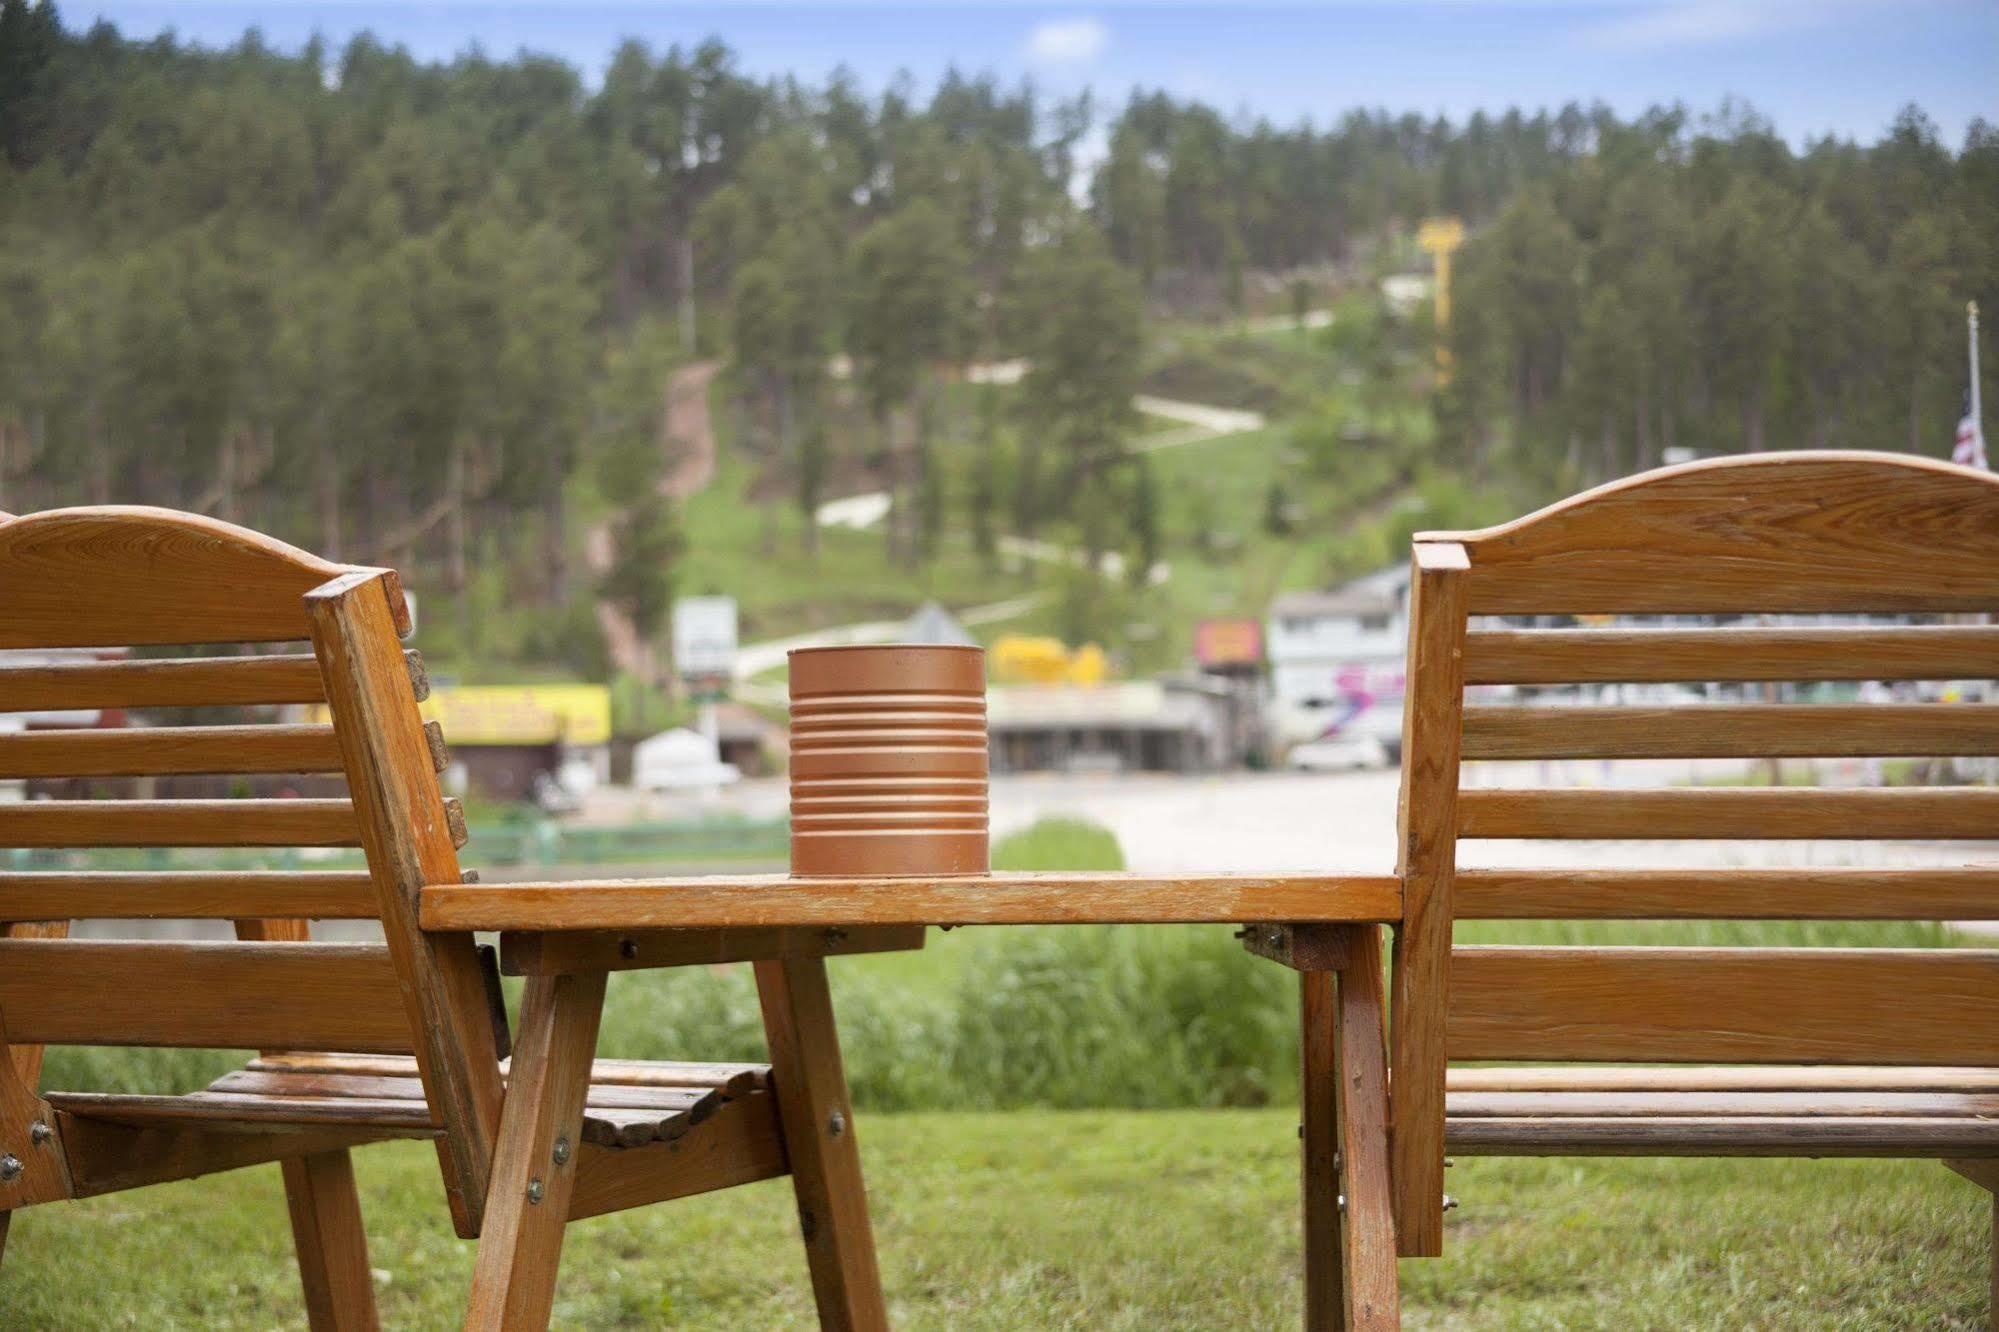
(189, 894)
(1723, 1078)
(166, 750)
(1749, 1135)
(221, 995)
(1731, 731)
(1723, 1105)
(1718, 1005)
(1692, 656)
(1747, 812)
(75, 823)
(1841, 893)
(291, 677)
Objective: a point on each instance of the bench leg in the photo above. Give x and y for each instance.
(811, 1089)
(332, 1247)
(1350, 1277)
(513, 1283)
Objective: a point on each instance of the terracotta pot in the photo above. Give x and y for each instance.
(888, 761)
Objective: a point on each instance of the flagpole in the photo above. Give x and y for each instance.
(1971, 321)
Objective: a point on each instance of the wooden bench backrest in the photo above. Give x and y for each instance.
(114, 577)
(1800, 534)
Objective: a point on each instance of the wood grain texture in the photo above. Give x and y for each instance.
(114, 575)
(162, 750)
(1368, 1229)
(529, 954)
(1691, 656)
(1862, 1104)
(59, 823)
(520, 1248)
(1761, 1135)
(820, 1142)
(740, 1145)
(163, 683)
(1301, 947)
(332, 1246)
(1730, 812)
(1731, 731)
(1726, 1078)
(1426, 855)
(223, 995)
(1838, 893)
(731, 1078)
(1696, 1005)
(108, 1157)
(28, 1058)
(1319, 1151)
(407, 830)
(1770, 533)
(188, 894)
(1000, 899)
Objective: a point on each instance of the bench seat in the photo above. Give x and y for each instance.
(630, 1103)
(1800, 1111)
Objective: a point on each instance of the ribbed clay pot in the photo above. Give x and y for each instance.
(888, 761)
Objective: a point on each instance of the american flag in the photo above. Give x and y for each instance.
(1970, 446)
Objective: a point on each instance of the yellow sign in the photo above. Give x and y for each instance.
(544, 714)
(1019, 659)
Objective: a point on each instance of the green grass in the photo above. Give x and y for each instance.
(1166, 1220)
(1060, 1213)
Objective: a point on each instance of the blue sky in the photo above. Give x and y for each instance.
(1812, 66)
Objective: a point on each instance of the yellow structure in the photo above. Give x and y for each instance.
(541, 714)
(1020, 659)
(1440, 237)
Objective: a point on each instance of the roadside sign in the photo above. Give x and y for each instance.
(704, 638)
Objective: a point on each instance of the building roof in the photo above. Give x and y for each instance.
(1375, 593)
(932, 624)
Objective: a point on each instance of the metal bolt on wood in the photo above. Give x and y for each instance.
(628, 948)
(534, 1190)
(837, 1125)
(10, 1167)
(39, 1133)
(562, 1151)
(1450, 1203)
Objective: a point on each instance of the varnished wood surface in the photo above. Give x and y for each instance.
(1805, 893)
(1373, 1300)
(551, 953)
(809, 1082)
(1426, 857)
(1724, 1078)
(411, 838)
(1912, 813)
(222, 995)
(162, 750)
(332, 1246)
(1693, 656)
(187, 894)
(1732, 731)
(115, 575)
(1754, 1135)
(162, 683)
(1768, 533)
(60, 823)
(1000, 899)
(1712, 1005)
(740, 1145)
(520, 1247)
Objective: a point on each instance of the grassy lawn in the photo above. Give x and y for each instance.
(1149, 1216)
(1168, 1219)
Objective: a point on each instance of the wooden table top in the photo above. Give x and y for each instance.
(714, 901)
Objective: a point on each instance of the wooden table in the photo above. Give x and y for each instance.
(1319, 924)
(622, 924)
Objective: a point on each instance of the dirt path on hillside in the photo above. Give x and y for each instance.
(687, 438)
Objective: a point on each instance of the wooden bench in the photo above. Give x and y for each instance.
(405, 1038)
(1866, 1052)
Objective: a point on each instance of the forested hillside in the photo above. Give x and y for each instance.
(426, 313)
(1708, 287)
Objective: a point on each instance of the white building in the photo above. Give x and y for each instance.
(1336, 661)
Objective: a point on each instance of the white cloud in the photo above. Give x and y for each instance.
(1682, 23)
(1067, 41)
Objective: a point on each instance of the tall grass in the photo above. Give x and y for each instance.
(1063, 1017)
